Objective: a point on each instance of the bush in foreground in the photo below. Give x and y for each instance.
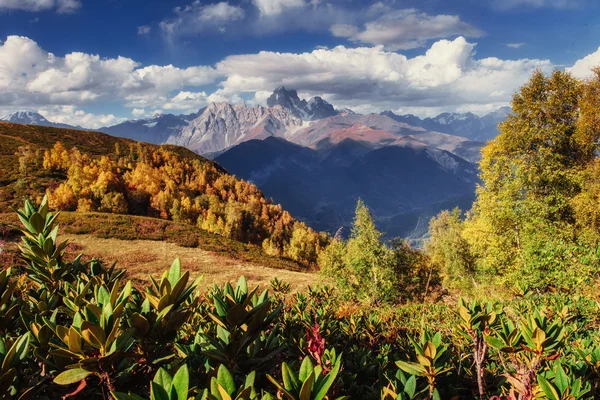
(70, 328)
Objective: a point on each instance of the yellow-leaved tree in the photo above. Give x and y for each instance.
(535, 215)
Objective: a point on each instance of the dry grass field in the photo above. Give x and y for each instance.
(147, 247)
(144, 258)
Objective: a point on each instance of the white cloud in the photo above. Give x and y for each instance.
(448, 75)
(71, 115)
(61, 6)
(222, 11)
(150, 86)
(404, 29)
(31, 76)
(198, 17)
(256, 17)
(274, 7)
(27, 5)
(378, 23)
(187, 102)
(515, 45)
(138, 112)
(144, 30)
(220, 96)
(68, 6)
(583, 67)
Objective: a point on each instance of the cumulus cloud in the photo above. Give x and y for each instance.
(583, 67)
(187, 101)
(448, 75)
(198, 17)
(61, 6)
(31, 76)
(404, 29)
(222, 11)
(138, 112)
(274, 7)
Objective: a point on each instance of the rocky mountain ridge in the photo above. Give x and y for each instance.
(223, 125)
(467, 125)
(311, 110)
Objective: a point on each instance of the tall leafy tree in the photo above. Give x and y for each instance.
(364, 266)
(524, 222)
(449, 252)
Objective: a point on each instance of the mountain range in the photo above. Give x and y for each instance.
(316, 160)
(467, 125)
(314, 123)
(155, 130)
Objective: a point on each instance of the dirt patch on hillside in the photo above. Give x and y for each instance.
(145, 258)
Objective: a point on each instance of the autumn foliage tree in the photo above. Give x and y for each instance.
(536, 215)
(163, 184)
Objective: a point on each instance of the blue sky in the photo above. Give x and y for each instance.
(97, 62)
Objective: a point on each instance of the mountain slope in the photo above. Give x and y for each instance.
(154, 130)
(16, 184)
(379, 131)
(97, 172)
(223, 125)
(321, 186)
(468, 125)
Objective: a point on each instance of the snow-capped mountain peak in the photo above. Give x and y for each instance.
(26, 117)
(34, 118)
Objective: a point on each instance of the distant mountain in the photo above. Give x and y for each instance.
(467, 125)
(315, 108)
(155, 130)
(401, 182)
(193, 116)
(223, 125)
(378, 131)
(34, 118)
